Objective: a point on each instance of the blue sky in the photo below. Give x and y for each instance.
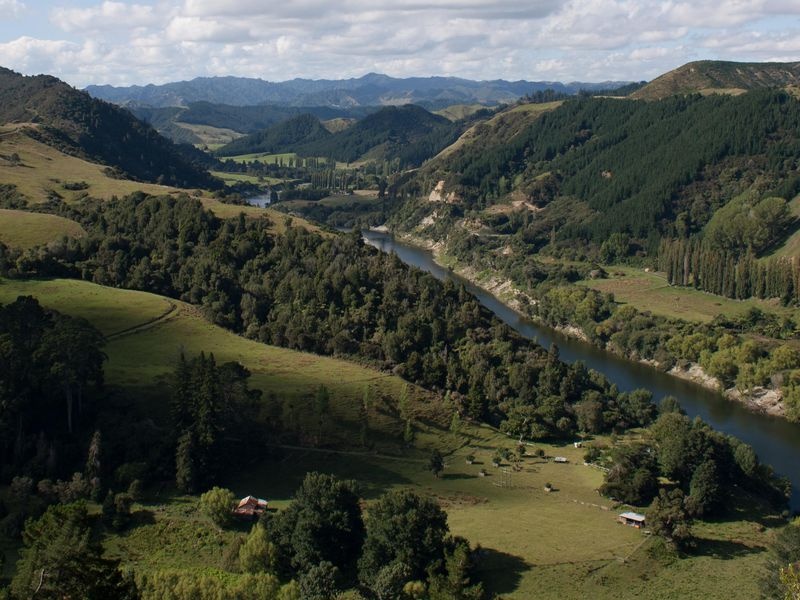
(121, 43)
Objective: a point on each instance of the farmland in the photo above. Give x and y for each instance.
(19, 229)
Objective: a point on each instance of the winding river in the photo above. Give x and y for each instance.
(776, 441)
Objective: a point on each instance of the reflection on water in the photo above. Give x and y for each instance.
(776, 441)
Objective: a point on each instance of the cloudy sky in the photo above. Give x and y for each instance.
(155, 41)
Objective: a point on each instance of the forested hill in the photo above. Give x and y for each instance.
(721, 76)
(407, 133)
(596, 166)
(304, 129)
(77, 124)
(172, 121)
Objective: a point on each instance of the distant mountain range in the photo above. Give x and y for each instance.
(370, 90)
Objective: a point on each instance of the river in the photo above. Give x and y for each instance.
(776, 441)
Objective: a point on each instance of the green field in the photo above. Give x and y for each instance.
(561, 545)
(20, 229)
(651, 292)
(211, 136)
(233, 178)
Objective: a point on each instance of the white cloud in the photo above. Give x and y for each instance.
(11, 8)
(165, 40)
(105, 16)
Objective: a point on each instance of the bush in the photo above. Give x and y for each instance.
(218, 504)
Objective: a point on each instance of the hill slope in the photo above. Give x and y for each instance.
(597, 166)
(305, 129)
(409, 133)
(707, 76)
(77, 124)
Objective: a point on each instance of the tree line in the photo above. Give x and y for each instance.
(697, 263)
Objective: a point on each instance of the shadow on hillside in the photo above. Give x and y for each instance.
(724, 549)
(142, 517)
(500, 572)
(456, 476)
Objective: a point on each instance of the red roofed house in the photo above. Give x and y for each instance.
(250, 506)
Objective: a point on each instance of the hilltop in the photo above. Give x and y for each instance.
(282, 137)
(716, 76)
(77, 124)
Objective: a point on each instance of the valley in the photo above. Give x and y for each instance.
(448, 354)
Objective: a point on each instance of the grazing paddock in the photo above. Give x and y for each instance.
(21, 229)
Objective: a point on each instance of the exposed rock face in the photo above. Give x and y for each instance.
(438, 195)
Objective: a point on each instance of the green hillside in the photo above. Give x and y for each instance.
(622, 166)
(146, 334)
(716, 76)
(304, 129)
(407, 133)
(74, 122)
(21, 229)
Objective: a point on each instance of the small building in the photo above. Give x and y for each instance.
(632, 519)
(250, 507)
(578, 444)
(560, 459)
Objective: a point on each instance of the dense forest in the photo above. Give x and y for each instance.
(407, 133)
(329, 295)
(645, 169)
(282, 137)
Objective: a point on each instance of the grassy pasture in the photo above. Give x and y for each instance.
(565, 544)
(43, 171)
(20, 229)
(211, 136)
(651, 292)
(234, 178)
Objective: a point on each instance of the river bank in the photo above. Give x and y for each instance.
(759, 399)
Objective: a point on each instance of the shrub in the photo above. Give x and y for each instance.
(218, 504)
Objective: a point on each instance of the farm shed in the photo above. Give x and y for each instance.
(632, 519)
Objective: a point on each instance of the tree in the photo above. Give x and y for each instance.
(93, 465)
(705, 491)
(257, 554)
(436, 463)
(218, 504)
(186, 464)
(60, 560)
(669, 518)
(322, 524)
(72, 349)
(320, 582)
(456, 583)
(633, 478)
(783, 551)
(406, 528)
